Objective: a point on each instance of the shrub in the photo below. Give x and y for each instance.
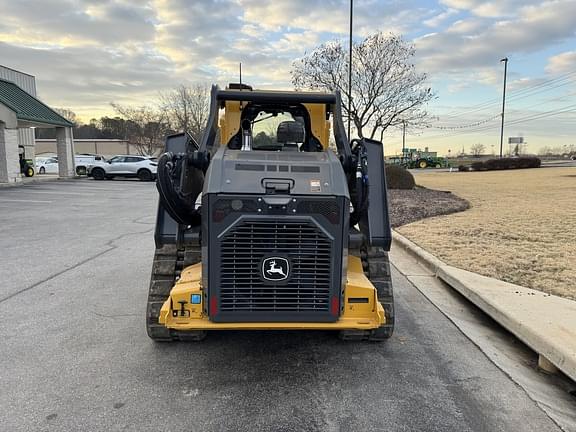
(501, 163)
(505, 163)
(398, 177)
(477, 166)
(529, 162)
(524, 162)
(490, 164)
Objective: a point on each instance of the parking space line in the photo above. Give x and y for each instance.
(81, 188)
(55, 192)
(25, 201)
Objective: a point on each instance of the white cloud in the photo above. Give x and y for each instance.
(468, 26)
(489, 9)
(128, 50)
(68, 22)
(332, 16)
(534, 28)
(88, 79)
(441, 18)
(562, 63)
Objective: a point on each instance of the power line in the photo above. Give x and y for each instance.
(478, 123)
(543, 115)
(553, 83)
(511, 98)
(562, 110)
(532, 92)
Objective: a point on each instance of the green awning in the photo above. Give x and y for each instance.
(27, 107)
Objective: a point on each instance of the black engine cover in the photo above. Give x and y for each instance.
(274, 241)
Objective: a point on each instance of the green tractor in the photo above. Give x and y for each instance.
(429, 162)
(416, 158)
(26, 165)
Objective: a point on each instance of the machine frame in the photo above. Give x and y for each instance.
(177, 303)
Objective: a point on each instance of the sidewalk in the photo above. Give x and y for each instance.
(544, 322)
(38, 178)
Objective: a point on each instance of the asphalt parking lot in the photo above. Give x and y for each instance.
(75, 266)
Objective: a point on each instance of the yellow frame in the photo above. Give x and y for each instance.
(230, 121)
(355, 316)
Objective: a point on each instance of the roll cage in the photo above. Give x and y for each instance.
(314, 107)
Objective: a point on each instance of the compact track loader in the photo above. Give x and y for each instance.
(281, 231)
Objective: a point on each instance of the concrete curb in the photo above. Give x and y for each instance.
(39, 181)
(544, 322)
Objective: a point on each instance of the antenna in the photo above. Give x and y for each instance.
(240, 76)
(350, 69)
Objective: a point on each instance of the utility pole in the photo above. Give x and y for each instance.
(403, 139)
(505, 60)
(350, 68)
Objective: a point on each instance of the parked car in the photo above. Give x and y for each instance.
(47, 165)
(142, 167)
(84, 160)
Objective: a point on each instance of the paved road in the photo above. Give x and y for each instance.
(75, 265)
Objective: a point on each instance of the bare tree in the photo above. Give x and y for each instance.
(556, 150)
(386, 89)
(545, 151)
(68, 114)
(187, 108)
(477, 149)
(146, 127)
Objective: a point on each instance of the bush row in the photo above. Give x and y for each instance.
(502, 164)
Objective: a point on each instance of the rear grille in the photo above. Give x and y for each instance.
(328, 209)
(244, 247)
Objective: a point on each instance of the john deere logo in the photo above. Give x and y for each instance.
(275, 269)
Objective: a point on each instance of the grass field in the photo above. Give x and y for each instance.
(521, 226)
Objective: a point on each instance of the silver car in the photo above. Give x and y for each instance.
(142, 167)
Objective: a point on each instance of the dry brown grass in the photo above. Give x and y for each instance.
(521, 226)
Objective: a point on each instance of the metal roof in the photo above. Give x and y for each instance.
(27, 107)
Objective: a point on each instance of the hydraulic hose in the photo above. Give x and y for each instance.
(361, 183)
(180, 208)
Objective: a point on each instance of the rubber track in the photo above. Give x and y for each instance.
(376, 266)
(168, 263)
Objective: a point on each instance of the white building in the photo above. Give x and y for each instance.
(20, 113)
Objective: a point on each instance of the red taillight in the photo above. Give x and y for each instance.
(333, 217)
(213, 306)
(218, 215)
(335, 306)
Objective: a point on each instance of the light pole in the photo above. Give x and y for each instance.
(403, 139)
(350, 68)
(505, 60)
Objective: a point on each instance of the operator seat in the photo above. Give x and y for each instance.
(290, 133)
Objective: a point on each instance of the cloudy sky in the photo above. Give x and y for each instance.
(88, 53)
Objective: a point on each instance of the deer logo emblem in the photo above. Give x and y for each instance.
(275, 269)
